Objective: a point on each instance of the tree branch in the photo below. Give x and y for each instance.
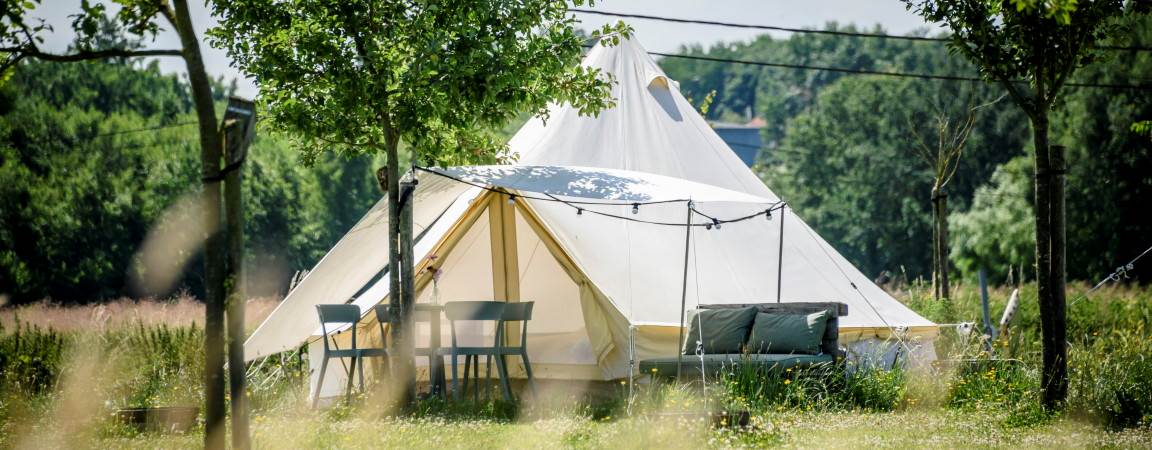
(166, 11)
(1021, 99)
(33, 52)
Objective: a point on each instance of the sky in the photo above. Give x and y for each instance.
(655, 36)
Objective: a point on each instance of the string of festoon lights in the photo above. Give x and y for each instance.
(581, 206)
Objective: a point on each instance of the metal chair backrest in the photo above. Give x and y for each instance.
(475, 310)
(383, 316)
(522, 312)
(341, 314)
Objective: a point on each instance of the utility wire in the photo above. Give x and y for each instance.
(878, 72)
(141, 130)
(804, 30)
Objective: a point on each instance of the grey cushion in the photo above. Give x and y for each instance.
(725, 330)
(666, 367)
(787, 333)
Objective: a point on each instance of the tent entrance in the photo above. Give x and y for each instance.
(499, 250)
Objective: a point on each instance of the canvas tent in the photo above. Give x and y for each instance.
(602, 282)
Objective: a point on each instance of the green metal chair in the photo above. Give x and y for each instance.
(519, 312)
(342, 315)
(476, 311)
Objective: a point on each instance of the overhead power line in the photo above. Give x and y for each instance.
(141, 130)
(802, 30)
(879, 72)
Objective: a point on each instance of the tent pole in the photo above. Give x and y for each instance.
(631, 362)
(684, 289)
(780, 258)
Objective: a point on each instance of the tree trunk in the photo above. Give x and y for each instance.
(210, 152)
(1057, 387)
(403, 361)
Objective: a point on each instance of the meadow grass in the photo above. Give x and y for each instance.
(58, 389)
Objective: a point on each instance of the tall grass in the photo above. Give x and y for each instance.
(844, 386)
(1109, 346)
(74, 381)
(49, 378)
(30, 359)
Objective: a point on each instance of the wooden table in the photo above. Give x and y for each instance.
(430, 313)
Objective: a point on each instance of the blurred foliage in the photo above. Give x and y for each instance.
(838, 147)
(93, 153)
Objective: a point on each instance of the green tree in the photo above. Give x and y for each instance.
(20, 38)
(942, 150)
(1032, 49)
(1109, 164)
(996, 232)
(845, 164)
(81, 187)
(363, 76)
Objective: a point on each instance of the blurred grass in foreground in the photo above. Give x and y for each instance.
(59, 388)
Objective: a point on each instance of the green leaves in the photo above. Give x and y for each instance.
(1143, 128)
(1040, 43)
(351, 77)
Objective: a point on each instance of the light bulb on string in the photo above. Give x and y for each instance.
(768, 214)
(707, 226)
(512, 200)
(579, 211)
(716, 222)
(635, 208)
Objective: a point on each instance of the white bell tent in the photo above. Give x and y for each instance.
(591, 224)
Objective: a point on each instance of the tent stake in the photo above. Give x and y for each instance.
(780, 258)
(684, 289)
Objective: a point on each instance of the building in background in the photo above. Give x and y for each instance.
(744, 139)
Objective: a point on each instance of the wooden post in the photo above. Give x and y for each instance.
(1058, 305)
(403, 367)
(407, 280)
(940, 288)
(238, 127)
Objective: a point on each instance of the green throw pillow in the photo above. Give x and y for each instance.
(788, 333)
(725, 330)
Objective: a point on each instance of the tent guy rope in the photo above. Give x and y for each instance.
(1120, 273)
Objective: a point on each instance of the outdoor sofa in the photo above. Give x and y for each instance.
(770, 336)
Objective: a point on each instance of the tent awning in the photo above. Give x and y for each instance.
(610, 185)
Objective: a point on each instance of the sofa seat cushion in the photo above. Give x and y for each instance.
(787, 333)
(713, 364)
(724, 330)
